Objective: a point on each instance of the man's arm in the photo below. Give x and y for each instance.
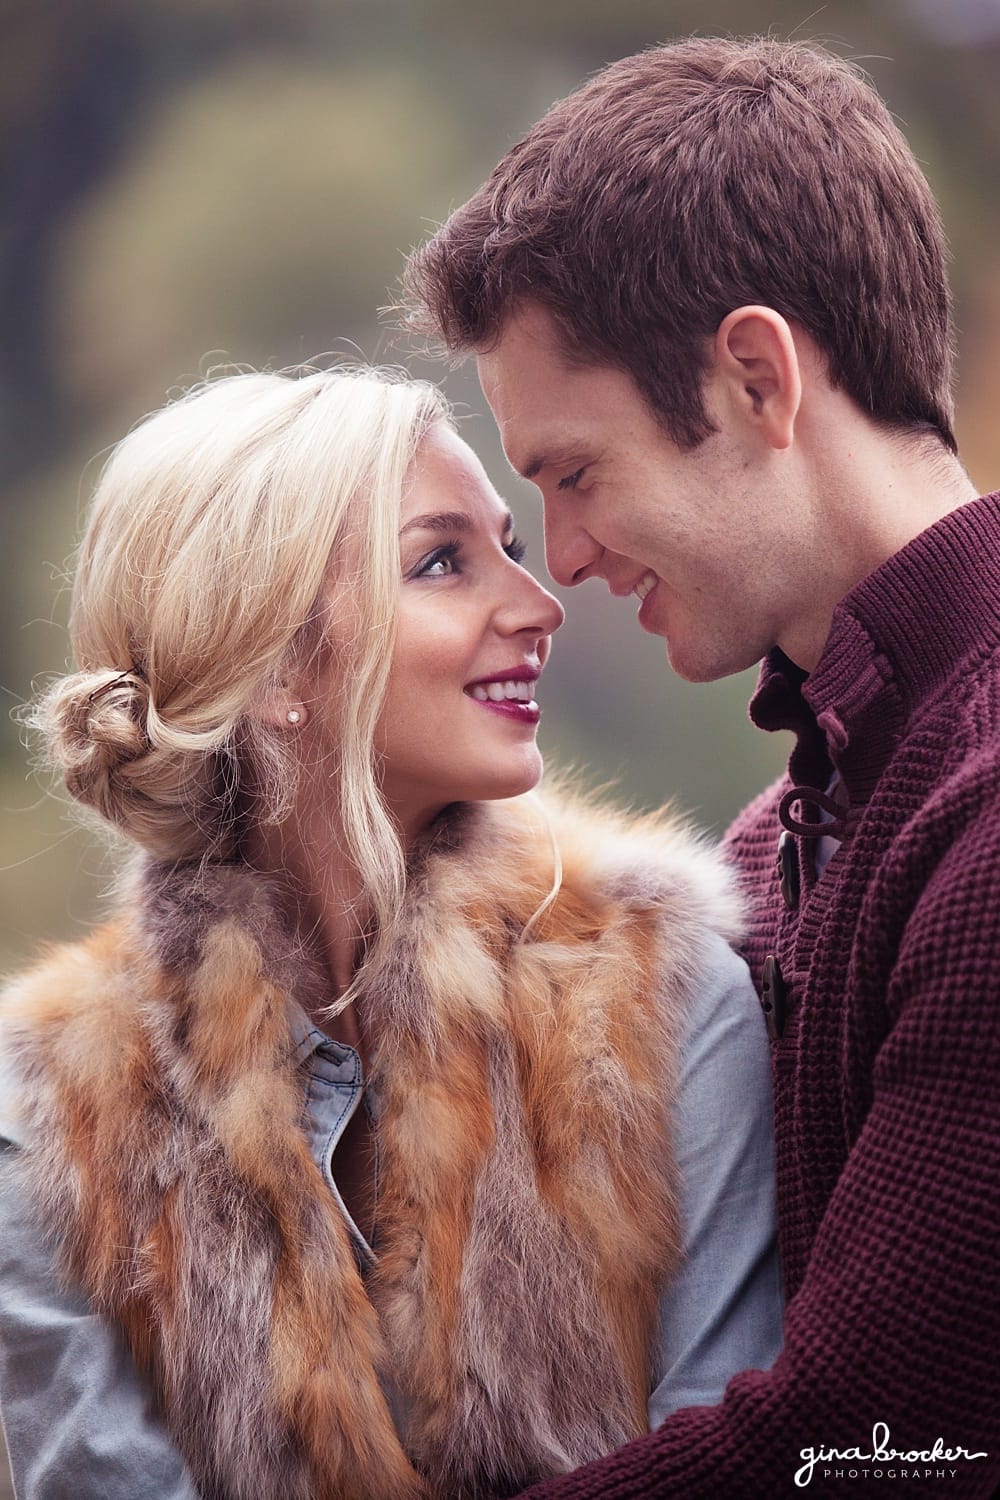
(897, 1320)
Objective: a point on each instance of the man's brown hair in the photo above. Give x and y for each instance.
(687, 181)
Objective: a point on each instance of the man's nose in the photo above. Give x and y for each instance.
(571, 554)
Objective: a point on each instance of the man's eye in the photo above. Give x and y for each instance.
(515, 549)
(570, 481)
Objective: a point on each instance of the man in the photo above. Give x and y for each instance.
(708, 299)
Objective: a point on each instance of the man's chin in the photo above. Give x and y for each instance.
(699, 666)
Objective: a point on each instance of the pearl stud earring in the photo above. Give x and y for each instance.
(293, 716)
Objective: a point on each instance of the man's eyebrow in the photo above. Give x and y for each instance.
(449, 520)
(564, 451)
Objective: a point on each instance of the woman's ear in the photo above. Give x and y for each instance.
(758, 363)
(279, 708)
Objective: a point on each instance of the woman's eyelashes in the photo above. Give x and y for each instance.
(448, 558)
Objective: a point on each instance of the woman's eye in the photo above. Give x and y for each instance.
(515, 549)
(440, 564)
(570, 481)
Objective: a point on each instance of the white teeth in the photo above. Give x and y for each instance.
(501, 692)
(646, 582)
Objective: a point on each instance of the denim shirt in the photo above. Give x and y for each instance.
(77, 1416)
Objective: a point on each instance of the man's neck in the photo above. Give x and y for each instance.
(875, 493)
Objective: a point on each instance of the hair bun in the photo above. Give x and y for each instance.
(102, 734)
(96, 725)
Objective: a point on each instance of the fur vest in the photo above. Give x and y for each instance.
(527, 1206)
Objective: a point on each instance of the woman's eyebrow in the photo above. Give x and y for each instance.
(443, 520)
(449, 520)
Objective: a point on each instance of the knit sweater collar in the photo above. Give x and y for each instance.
(894, 639)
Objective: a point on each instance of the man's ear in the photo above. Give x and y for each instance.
(759, 365)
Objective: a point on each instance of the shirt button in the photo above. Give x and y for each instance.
(773, 997)
(788, 869)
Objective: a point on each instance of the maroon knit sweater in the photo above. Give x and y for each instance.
(887, 1072)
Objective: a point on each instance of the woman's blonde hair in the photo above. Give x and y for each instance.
(214, 529)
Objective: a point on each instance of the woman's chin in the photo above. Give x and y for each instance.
(520, 779)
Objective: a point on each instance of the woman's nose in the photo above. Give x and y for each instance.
(530, 607)
(554, 613)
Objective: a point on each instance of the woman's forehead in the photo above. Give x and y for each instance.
(448, 480)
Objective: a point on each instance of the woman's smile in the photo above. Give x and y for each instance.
(510, 693)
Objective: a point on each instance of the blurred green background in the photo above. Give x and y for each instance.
(192, 181)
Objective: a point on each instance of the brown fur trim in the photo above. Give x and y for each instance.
(527, 1212)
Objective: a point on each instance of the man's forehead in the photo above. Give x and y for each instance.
(528, 342)
(533, 444)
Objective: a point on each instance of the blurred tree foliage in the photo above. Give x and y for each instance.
(273, 197)
(191, 181)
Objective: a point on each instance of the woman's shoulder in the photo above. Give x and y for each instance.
(62, 975)
(70, 1013)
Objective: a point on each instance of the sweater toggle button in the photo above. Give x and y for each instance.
(773, 997)
(788, 869)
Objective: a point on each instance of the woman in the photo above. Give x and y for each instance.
(375, 1142)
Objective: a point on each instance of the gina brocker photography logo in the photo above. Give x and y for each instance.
(880, 1460)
